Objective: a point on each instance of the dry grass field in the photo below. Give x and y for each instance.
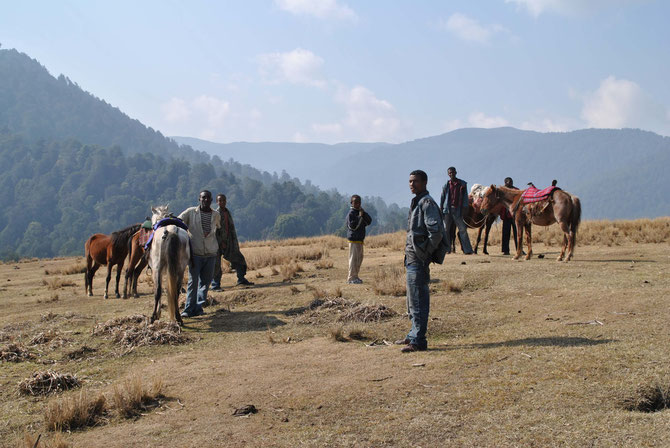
(521, 353)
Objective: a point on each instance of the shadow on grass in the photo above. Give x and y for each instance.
(563, 341)
(241, 321)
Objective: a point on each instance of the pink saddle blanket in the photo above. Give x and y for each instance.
(532, 194)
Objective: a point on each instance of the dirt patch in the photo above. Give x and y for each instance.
(80, 353)
(241, 297)
(15, 353)
(48, 382)
(135, 331)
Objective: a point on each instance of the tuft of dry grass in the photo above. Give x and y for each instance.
(53, 298)
(317, 293)
(649, 398)
(44, 337)
(337, 334)
(48, 382)
(389, 281)
(274, 271)
(323, 264)
(77, 411)
(282, 256)
(259, 274)
(290, 270)
(358, 333)
(294, 290)
(132, 397)
(76, 268)
(57, 283)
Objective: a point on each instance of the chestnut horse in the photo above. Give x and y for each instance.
(107, 250)
(474, 218)
(561, 207)
(136, 263)
(170, 252)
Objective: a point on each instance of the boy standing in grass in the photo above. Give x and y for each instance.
(357, 220)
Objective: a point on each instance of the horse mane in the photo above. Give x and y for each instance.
(120, 237)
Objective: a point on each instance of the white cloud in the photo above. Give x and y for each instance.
(213, 109)
(175, 110)
(367, 118)
(567, 7)
(619, 103)
(469, 29)
(481, 120)
(205, 116)
(299, 66)
(322, 9)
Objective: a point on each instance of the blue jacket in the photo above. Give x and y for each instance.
(356, 225)
(445, 198)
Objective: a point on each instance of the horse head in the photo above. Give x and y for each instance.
(491, 197)
(159, 212)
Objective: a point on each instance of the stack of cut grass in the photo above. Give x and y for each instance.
(339, 309)
(48, 382)
(15, 353)
(135, 331)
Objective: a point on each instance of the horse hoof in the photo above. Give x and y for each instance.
(106, 296)
(90, 294)
(118, 296)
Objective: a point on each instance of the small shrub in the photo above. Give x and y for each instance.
(323, 264)
(649, 398)
(390, 281)
(337, 334)
(130, 399)
(75, 412)
(57, 283)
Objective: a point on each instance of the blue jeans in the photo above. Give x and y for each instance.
(200, 273)
(418, 302)
(454, 217)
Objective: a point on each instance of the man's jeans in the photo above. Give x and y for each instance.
(200, 274)
(454, 217)
(418, 302)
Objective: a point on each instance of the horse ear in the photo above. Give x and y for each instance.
(493, 187)
(154, 211)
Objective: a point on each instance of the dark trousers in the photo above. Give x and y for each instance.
(239, 268)
(506, 225)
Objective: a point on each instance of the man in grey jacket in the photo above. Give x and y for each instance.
(202, 223)
(425, 233)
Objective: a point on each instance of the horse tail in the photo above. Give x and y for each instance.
(576, 214)
(87, 255)
(173, 248)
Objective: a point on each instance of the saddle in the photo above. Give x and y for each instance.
(169, 221)
(532, 197)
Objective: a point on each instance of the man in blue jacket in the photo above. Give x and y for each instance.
(454, 203)
(357, 220)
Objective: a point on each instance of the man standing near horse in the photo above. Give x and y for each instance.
(229, 247)
(454, 204)
(357, 220)
(202, 222)
(425, 242)
(507, 221)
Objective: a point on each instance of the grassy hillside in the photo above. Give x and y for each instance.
(533, 353)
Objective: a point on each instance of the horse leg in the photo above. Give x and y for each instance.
(566, 239)
(529, 241)
(91, 274)
(128, 276)
(565, 244)
(479, 238)
(177, 314)
(157, 296)
(119, 267)
(519, 243)
(136, 275)
(109, 277)
(488, 224)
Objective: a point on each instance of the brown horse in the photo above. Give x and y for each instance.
(137, 261)
(107, 250)
(561, 207)
(475, 219)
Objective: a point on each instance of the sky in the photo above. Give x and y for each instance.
(370, 70)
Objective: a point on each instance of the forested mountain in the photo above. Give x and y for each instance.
(617, 173)
(72, 165)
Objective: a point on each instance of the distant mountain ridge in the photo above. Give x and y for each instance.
(617, 173)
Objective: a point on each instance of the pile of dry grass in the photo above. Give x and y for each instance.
(135, 331)
(648, 398)
(75, 412)
(339, 309)
(15, 353)
(80, 353)
(389, 281)
(132, 398)
(44, 337)
(48, 382)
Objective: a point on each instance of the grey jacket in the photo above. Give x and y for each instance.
(202, 246)
(425, 230)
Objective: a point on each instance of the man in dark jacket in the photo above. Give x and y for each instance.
(425, 233)
(357, 220)
(229, 247)
(507, 221)
(453, 203)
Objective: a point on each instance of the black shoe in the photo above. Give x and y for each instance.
(409, 348)
(245, 282)
(402, 342)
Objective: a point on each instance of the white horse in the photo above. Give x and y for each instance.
(170, 251)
